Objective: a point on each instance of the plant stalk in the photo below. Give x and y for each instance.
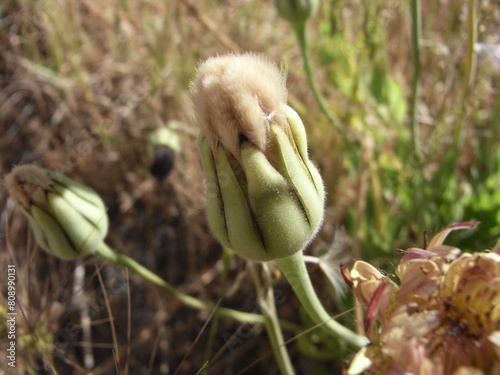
(416, 16)
(265, 299)
(470, 68)
(491, 148)
(300, 31)
(110, 255)
(295, 271)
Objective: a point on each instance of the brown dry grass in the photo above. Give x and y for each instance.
(83, 84)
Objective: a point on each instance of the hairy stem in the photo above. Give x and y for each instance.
(295, 271)
(110, 255)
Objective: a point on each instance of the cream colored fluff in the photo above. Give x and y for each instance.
(236, 96)
(27, 185)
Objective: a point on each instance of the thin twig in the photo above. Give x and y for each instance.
(88, 355)
(210, 26)
(360, 210)
(197, 338)
(110, 314)
(265, 299)
(129, 323)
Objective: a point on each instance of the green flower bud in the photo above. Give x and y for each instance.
(165, 137)
(69, 220)
(296, 11)
(163, 144)
(265, 198)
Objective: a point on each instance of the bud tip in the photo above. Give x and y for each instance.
(27, 184)
(236, 96)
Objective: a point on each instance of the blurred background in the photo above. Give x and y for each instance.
(86, 85)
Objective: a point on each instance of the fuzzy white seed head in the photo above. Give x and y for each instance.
(236, 96)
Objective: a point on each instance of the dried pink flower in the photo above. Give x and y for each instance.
(443, 318)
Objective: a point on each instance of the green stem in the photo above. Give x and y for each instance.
(300, 31)
(110, 255)
(265, 298)
(491, 148)
(416, 16)
(207, 355)
(471, 43)
(470, 68)
(295, 271)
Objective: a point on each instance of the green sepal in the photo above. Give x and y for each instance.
(279, 215)
(50, 235)
(92, 210)
(298, 131)
(83, 234)
(215, 210)
(316, 177)
(242, 231)
(291, 165)
(82, 191)
(299, 135)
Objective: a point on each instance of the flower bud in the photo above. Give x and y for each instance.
(265, 197)
(296, 11)
(164, 145)
(69, 220)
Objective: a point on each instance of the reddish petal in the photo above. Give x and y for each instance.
(441, 236)
(346, 274)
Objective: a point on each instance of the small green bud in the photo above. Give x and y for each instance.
(163, 144)
(297, 11)
(68, 219)
(165, 137)
(265, 198)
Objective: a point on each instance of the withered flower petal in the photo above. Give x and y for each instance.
(443, 319)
